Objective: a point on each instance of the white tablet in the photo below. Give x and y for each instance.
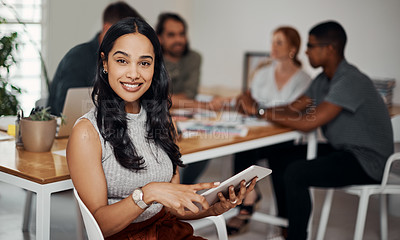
(248, 174)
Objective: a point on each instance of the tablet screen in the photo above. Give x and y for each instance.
(247, 175)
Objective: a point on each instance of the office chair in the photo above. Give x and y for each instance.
(94, 233)
(364, 192)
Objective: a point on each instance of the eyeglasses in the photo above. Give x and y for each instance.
(313, 45)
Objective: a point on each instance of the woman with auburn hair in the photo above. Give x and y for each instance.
(279, 82)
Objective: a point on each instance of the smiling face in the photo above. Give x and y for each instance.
(130, 67)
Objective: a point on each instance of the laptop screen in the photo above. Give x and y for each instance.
(77, 103)
(252, 62)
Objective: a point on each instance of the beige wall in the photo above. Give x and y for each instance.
(68, 23)
(222, 30)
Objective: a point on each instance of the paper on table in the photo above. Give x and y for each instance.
(235, 117)
(61, 152)
(7, 120)
(5, 136)
(212, 128)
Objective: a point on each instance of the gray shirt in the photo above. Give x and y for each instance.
(121, 181)
(185, 74)
(363, 127)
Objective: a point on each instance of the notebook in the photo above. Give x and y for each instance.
(77, 103)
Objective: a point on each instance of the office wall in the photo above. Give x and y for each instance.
(68, 23)
(223, 30)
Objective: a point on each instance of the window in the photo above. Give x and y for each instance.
(25, 18)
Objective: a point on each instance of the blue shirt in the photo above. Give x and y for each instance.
(76, 69)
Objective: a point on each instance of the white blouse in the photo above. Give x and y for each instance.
(265, 91)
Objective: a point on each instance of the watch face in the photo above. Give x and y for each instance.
(136, 194)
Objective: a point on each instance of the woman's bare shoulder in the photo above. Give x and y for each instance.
(84, 134)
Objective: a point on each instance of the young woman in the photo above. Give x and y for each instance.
(282, 81)
(122, 154)
(278, 83)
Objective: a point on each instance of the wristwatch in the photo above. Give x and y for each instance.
(137, 197)
(261, 112)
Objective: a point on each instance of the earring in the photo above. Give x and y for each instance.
(104, 71)
(291, 55)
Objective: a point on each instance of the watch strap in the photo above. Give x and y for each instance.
(142, 204)
(137, 197)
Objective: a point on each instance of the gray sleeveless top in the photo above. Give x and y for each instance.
(120, 181)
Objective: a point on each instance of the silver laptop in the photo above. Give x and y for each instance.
(77, 103)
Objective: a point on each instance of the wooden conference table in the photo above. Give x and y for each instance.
(47, 173)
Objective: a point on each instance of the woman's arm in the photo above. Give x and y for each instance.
(84, 162)
(303, 115)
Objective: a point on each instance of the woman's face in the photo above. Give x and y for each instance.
(130, 67)
(280, 47)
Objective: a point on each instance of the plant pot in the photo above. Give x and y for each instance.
(38, 136)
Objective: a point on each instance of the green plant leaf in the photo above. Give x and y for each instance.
(8, 101)
(41, 114)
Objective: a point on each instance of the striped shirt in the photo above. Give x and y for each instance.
(363, 127)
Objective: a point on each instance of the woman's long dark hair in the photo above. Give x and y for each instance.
(110, 108)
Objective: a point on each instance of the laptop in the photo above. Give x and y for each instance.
(77, 103)
(253, 61)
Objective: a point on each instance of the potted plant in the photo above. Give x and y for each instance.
(8, 101)
(9, 104)
(38, 130)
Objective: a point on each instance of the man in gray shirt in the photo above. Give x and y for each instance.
(182, 63)
(183, 66)
(353, 117)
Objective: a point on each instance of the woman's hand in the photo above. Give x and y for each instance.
(246, 104)
(178, 198)
(234, 199)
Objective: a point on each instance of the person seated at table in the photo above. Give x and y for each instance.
(277, 83)
(77, 68)
(183, 63)
(122, 154)
(183, 66)
(354, 119)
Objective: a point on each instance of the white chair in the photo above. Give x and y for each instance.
(92, 228)
(364, 192)
(94, 233)
(219, 222)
